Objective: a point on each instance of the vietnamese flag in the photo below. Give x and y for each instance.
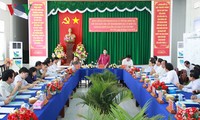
(70, 20)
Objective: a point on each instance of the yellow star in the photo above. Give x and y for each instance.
(75, 20)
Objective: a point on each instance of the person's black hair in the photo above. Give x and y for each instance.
(45, 63)
(128, 56)
(155, 57)
(31, 70)
(7, 74)
(165, 61)
(152, 60)
(197, 67)
(169, 66)
(48, 60)
(195, 74)
(23, 70)
(38, 63)
(160, 60)
(187, 62)
(55, 58)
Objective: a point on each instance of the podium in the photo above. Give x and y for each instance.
(69, 52)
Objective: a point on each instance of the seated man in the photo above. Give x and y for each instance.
(152, 62)
(23, 74)
(172, 76)
(194, 82)
(6, 87)
(127, 62)
(157, 66)
(188, 67)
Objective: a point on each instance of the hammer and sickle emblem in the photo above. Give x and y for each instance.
(66, 20)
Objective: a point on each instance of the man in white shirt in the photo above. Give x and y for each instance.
(194, 82)
(23, 74)
(172, 76)
(6, 87)
(188, 67)
(127, 62)
(161, 72)
(157, 66)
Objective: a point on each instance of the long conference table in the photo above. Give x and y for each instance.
(52, 109)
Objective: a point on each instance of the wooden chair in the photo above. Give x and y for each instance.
(2, 68)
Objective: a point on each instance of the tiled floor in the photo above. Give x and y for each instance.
(73, 110)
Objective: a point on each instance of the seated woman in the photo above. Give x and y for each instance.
(194, 82)
(32, 77)
(183, 78)
(104, 59)
(172, 76)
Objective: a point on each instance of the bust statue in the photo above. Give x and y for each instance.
(69, 37)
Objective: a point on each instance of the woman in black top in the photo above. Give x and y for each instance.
(32, 75)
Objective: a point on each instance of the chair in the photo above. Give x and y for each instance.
(3, 68)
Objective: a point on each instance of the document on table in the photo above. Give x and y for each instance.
(22, 96)
(6, 109)
(188, 101)
(29, 91)
(170, 85)
(15, 103)
(36, 88)
(49, 78)
(2, 116)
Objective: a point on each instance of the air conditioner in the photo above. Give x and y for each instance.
(16, 55)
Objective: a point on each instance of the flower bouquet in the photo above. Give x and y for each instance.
(90, 66)
(8, 62)
(159, 85)
(190, 113)
(22, 114)
(59, 52)
(54, 86)
(81, 52)
(112, 66)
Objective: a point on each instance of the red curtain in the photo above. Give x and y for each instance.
(70, 20)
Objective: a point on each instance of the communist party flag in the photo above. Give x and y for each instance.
(70, 20)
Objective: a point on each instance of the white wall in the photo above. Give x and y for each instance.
(178, 26)
(8, 19)
(192, 14)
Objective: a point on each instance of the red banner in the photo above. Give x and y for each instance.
(38, 43)
(162, 27)
(70, 20)
(113, 25)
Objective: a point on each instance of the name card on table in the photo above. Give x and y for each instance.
(170, 107)
(160, 97)
(153, 93)
(149, 88)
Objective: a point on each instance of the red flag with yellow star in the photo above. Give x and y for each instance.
(70, 20)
